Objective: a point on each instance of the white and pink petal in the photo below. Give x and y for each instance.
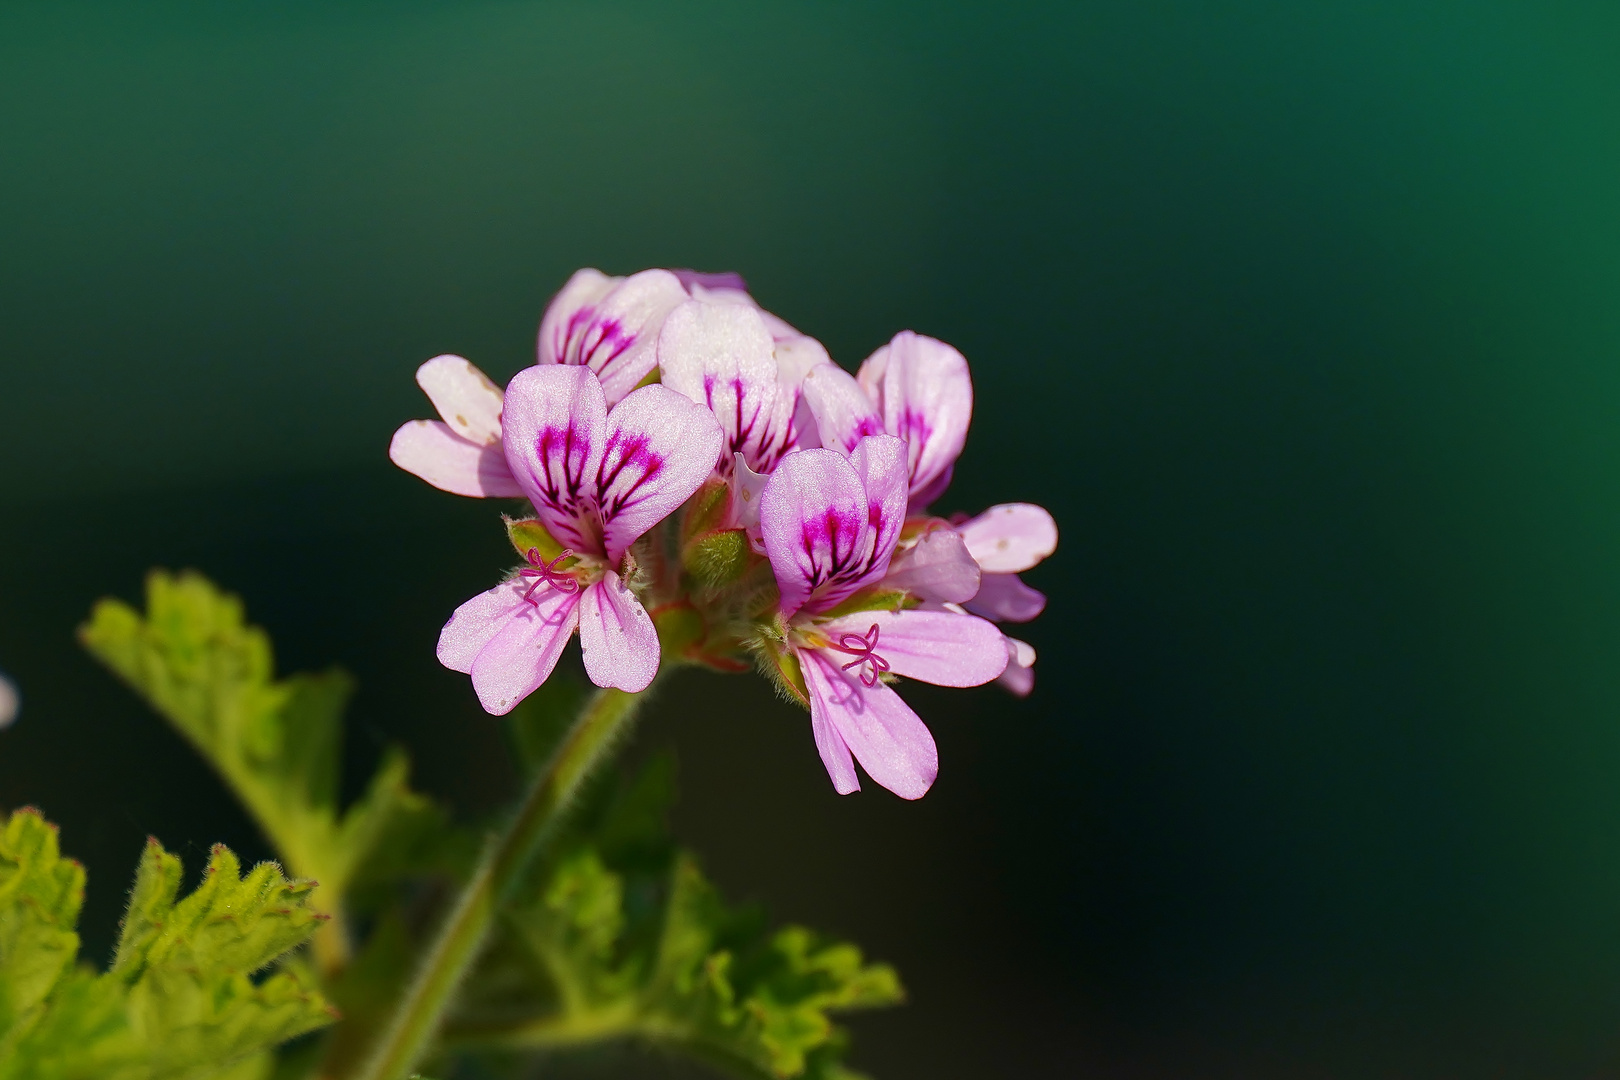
(464, 396)
(1005, 598)
(617, 635)
(922, 389)
(660, 447)
(890, 741)
(1010, 537)
(555, 429)
(431, 450)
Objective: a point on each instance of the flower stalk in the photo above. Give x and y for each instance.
(607, 716)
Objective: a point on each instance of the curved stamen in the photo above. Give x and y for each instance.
(863, 648)
(546, 573)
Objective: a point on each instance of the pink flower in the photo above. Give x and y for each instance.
(598, 480)
(830, 525)
(462, 453)
(915, 388)
(1004, 541)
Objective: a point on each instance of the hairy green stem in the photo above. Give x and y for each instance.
(420, 1011)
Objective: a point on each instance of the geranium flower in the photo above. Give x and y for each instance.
(598, 480)
(830, 526)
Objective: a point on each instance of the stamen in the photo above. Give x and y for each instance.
(546, 573)
(863, 648)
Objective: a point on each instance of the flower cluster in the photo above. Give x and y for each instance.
(708, 487)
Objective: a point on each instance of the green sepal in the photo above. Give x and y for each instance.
(526, 533)
(780, 663)
(681, 630)
(707, 511)
(871, 599)
(717, 559)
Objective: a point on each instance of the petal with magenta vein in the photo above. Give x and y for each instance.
(615, 334)
(921, 388)
(522, 654)
(555, 428)
(618, 637)
(659, 449)
(843, 411)
(721, 356)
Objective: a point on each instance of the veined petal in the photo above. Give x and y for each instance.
(464, 396)
(610, 325)
(1004, 598)
(476, 621)
(843, 411)
(939, 647)
(660, 447)
(568, 311)
(1019, 678)
(523, 652)
(887, 738)
(1010, 537)
(555, 430)
(430, 450)
(937, 568)
(617, 635)
(921, 388)
(721, 356)
(880, 462)
(813, 517)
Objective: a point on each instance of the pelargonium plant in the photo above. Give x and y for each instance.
(690, 481)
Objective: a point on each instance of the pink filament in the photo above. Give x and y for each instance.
(863, 648)
(546, 573)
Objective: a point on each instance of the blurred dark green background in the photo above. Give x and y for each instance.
(1304, 319)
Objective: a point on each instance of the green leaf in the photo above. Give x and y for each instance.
(632, 941)
(196, 660)
(40, 894)
(185, 998)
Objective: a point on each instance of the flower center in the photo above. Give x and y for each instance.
(546, 573)
(863, 648)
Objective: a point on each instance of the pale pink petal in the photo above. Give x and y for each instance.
(476, 621)
(887, 738)
(721, 356)
(614, 333)
(812, 516)
(939, 647)
(555, 428)
(568, 311)
(835, 755)
(660, 448)
(937, 567)
(1019, 678)
(1004, 598)
(522, 654)
(880, 462)
(727, 281)
(617, 636)
(843, 411)
(1011, 537)
(746, 488)
(430, 450)
(922, 390)
(465, 398)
